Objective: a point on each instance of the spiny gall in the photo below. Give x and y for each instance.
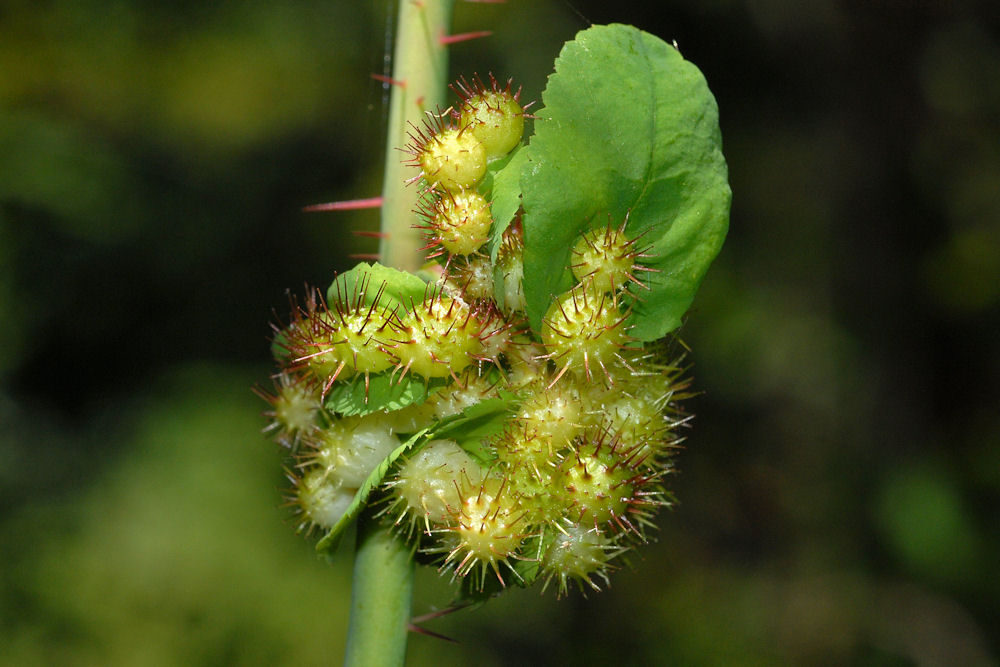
(577, 553)
(459, 222)
(597, 485)
(606, 258)
(449, 158)
(470, 277)
(295, 409)
(584, 330)
(329, 344)
(494, 115)
(437, 337)
(485, 531)
(553, 414)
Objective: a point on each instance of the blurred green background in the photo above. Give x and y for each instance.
(841, 485)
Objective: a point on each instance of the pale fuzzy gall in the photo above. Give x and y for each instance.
(351, 448)
(510, 261)
(427, 486)
(320, 500)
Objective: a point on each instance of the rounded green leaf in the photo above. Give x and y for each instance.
(370, 284)
(628, 128)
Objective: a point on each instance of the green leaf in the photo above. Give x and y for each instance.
(279, 347)
(474, 425)
(332, 538)
(628, 127)
(369, 283)
(383, 392)
(505, 200)
(505, 196)
(528, 571)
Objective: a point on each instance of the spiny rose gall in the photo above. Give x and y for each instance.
(470, 277)
(449, 158)
(485, 531)
(497, 333)
(339, 342)
(438, 337)
(583, 330)
(573, 552)
(520, 445)
(494, 114)
(607, 258)
(526, 363)
(459, 222)
(553, 414)
(466, 391)
(598, 486)
(295, 407)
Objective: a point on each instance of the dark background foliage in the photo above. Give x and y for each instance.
(841, 484)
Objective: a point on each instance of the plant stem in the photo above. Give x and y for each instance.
(382, 588)
(420, 64)
(381, 595)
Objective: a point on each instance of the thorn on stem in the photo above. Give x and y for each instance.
(347, 205)
(446, 40)
(389, 80)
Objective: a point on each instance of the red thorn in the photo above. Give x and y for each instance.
(445, 40)
(392, 82)
(348, 205)
(374, 235)
(374, 256)
(413, 627)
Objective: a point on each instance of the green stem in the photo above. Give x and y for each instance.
(382, 588)
(420, 62)
(380, 598)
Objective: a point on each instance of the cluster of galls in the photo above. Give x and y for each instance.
(573, 475)
(452, 152)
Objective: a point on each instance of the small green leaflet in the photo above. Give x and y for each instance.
(628, 127)
(384, 392)
(476, 423)
(370, 282)
(505, 197)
